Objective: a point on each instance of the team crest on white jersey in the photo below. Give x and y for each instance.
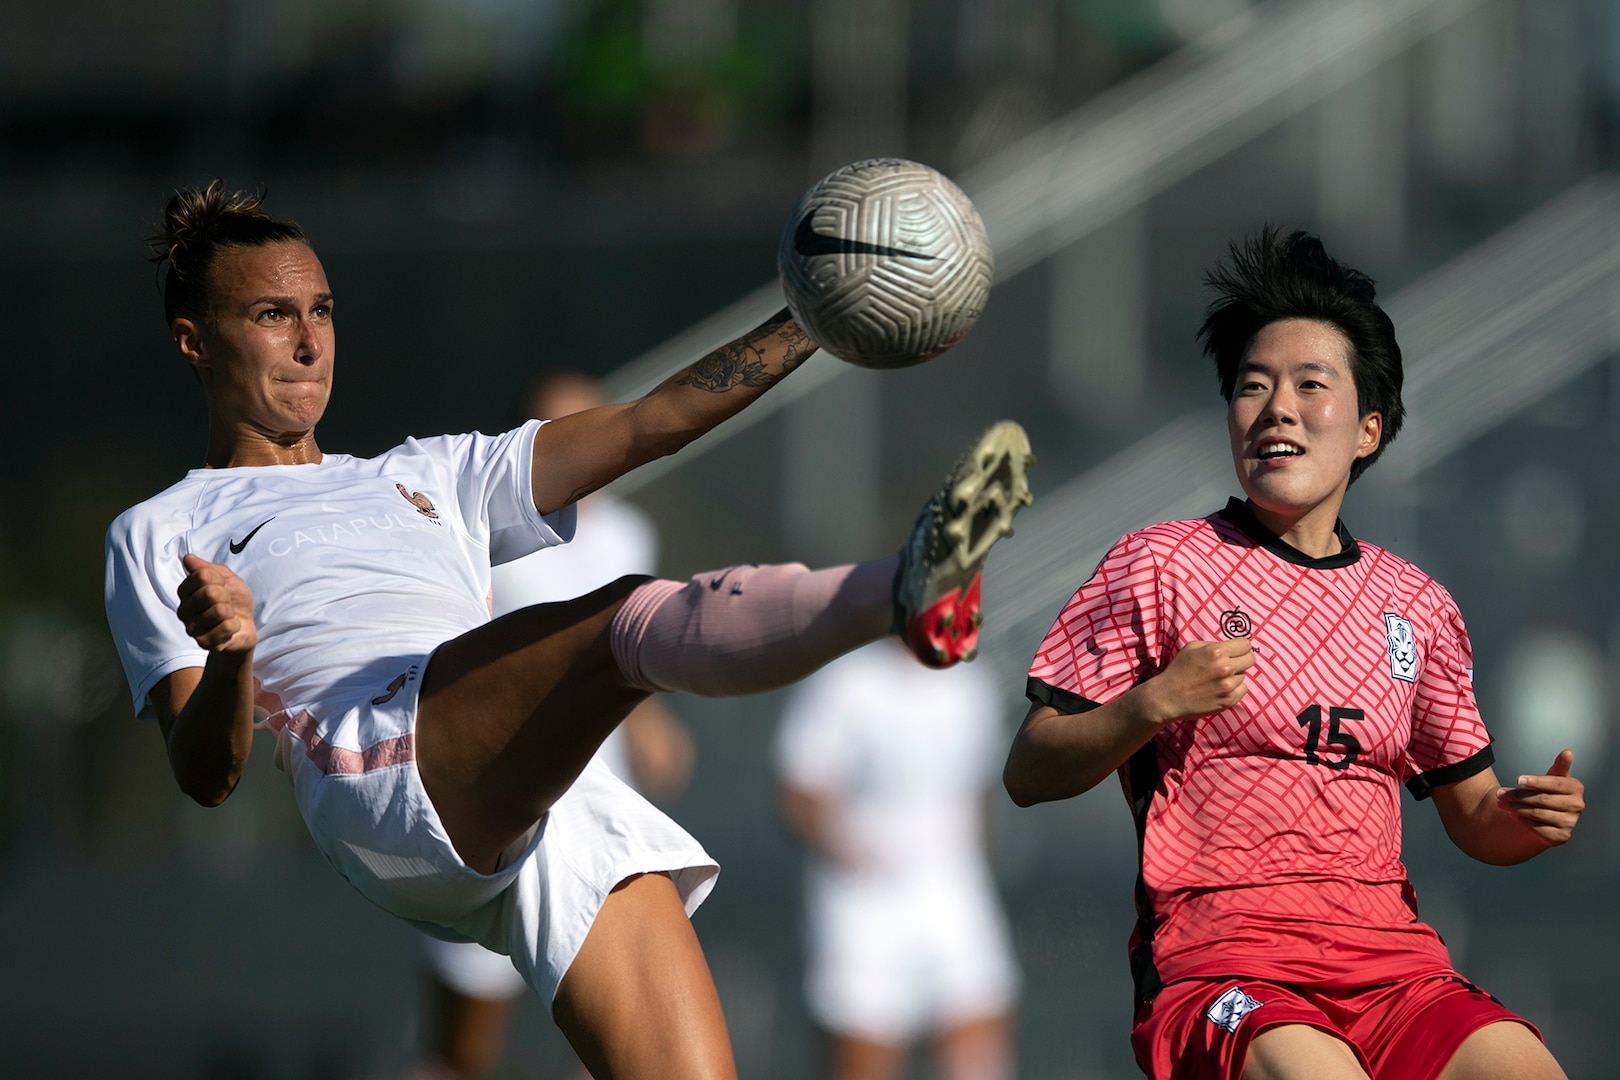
(1231, 1007)
(1402, 644)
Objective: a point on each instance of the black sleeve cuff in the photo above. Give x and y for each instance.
(1423, 785)
(1064, 701)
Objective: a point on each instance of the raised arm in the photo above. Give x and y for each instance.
(577, 454)
(1504, 826)
(1058, 755)
(206, 713)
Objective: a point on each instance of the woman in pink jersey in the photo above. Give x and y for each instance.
(343, 603)
(1264, 683)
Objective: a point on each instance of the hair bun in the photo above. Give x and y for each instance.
(197, 224)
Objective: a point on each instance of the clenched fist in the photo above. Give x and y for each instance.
(216, 607)
(1204, 678)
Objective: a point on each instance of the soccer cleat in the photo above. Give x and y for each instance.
(936, 590)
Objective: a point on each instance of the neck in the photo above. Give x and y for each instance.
(1313, 531)
(231, 449)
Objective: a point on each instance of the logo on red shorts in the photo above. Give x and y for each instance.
(1230, 1009)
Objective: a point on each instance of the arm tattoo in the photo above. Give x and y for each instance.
(742, 362)
(739, 363)
(797, 346)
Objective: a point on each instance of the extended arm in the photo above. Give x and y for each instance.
(1504, 826)
(1057, 755)
(206, 713)
(577, 454)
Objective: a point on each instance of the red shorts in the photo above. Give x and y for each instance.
(1200, 1029)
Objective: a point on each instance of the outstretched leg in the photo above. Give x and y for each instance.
(510, 712)
(638, 1001)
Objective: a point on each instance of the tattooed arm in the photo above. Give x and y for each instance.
(575, 455)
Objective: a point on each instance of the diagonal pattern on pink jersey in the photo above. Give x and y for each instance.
(1285, 808)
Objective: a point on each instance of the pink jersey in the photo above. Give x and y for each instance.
(1270, 833)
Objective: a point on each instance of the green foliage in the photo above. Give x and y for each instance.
(608, 79)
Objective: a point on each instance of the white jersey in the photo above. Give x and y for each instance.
(906, 753)
(354, 563)
(616, 539)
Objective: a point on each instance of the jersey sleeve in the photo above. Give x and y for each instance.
(492, 477)
(1106, 639)
(141, 591)
(1449, 740)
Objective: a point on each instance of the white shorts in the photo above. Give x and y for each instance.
(890, 961)
(354, 775)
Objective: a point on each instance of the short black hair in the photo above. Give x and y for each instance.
(1273, 276)
(198, 224)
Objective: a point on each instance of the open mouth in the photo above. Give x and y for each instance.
(1277, 449)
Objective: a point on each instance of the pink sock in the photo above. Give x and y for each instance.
(746, 629)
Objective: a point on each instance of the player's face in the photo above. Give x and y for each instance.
(265, 351)
(1294, 420)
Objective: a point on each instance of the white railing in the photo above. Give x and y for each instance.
(1106, 159)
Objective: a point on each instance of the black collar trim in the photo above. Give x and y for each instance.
(1240, 514)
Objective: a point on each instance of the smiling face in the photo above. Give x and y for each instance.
(1295, 424)
(264, 352)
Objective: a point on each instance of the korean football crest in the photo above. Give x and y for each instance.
(1402, 644)
(1230, 1009)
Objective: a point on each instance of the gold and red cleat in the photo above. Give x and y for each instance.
(936, 590)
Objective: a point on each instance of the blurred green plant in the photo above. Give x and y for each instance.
(684, 88)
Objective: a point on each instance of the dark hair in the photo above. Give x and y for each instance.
(1273, 276)
(197, 226)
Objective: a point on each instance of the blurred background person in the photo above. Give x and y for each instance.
(884, 769)
(471, 992)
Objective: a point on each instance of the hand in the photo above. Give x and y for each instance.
(1204, 678)
(216, 607)
(1548, 805)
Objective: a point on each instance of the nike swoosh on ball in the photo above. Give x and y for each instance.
(809, 243)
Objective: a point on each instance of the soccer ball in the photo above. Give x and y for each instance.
(885, 263)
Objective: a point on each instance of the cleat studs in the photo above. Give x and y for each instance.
(977, 620)
(970, 654)
(939, 655)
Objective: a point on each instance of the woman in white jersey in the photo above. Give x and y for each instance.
(343, 603)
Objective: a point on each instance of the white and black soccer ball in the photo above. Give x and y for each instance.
(885, 263)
